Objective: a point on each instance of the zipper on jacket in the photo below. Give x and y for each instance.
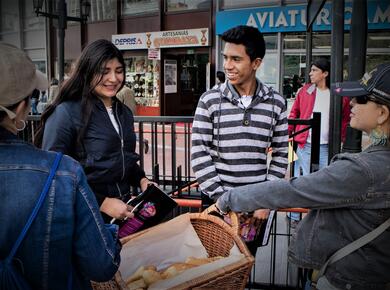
(119, 189)
(122, 141)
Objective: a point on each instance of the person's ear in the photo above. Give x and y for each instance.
(256, 63)
(384, 114)
(22, 109)
(326, 73)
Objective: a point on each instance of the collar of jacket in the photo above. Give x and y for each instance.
(311, 89)
(8, 137)
(230, 93)
(100, 105)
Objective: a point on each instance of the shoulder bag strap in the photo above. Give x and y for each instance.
(36, 208)
(348, 249)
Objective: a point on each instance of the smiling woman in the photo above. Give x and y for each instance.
(109, 82)
(87, 122)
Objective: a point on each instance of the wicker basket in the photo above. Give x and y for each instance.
(218, 238)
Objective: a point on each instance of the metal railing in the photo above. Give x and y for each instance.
(164, 145)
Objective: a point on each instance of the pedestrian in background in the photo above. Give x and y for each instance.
(87, 122)
(67, 244)
(126, 96)
(348, 199)
(235, 126)
(314, 97)
(34, 102)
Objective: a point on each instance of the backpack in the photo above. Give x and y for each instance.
(11, 278)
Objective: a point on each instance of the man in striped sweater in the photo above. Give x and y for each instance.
(236, 124)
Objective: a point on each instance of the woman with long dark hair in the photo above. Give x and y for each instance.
(87, 122)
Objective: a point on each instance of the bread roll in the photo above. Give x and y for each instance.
(175, 269)
(201, 261)
(140, 283)
(151, 267)
(151, 276)
(137, 275)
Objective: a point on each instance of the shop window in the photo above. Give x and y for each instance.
(40, 65)
(294, 41)
(271, 41)
(101, 10)
(132, 7)
(268, 71)
(379, 40)
(227, 4)
(142, 76)
(182, 5)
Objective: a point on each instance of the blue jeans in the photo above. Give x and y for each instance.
(34, 106)
(304, 159)
(303, 162)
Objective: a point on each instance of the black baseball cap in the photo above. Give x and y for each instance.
(376, 82)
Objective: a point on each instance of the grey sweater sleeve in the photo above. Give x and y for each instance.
(343, 183)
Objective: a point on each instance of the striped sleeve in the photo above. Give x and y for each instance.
(201, 161)
(279, 161)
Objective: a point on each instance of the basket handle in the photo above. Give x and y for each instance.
(235, 223)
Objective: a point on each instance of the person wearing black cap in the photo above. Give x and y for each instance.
(346, 233)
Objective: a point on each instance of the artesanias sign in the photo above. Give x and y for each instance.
(162, 39)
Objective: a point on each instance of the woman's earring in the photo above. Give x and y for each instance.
(23, 125)
(378, 137)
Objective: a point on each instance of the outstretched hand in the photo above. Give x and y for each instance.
(261, 214)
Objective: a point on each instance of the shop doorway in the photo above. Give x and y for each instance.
(184, 82)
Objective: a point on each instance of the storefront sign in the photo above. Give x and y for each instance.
(163, 39)
(292, 18)
(154, 53)
(130, 41)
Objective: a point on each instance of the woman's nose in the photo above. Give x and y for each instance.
(112, 76)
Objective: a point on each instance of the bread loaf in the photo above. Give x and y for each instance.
(137, 284)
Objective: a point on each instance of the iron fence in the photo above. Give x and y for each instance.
(164, 145)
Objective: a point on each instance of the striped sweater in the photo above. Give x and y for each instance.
(230, 142)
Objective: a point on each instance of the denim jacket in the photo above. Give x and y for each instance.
(349, 198)
(68, 234)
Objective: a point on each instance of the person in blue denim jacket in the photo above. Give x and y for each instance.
(68, 241)
(348, 199)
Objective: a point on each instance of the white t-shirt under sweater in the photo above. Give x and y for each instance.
(246, 101)
(112, 118)
(322, 105)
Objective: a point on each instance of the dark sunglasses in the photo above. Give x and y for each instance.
(362, 100)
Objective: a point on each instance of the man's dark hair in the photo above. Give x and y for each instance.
(248, 36)
(221, 76)
(324, 65)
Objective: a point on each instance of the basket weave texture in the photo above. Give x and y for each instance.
(218, 238)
